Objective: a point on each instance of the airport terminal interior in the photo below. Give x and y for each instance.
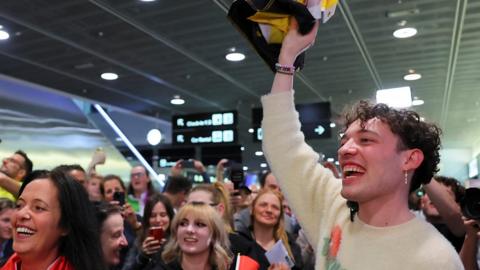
(112, 85)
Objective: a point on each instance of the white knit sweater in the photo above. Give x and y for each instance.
(314, 195)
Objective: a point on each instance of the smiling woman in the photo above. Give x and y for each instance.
(54, 225)
(199, 240)
(268, 227)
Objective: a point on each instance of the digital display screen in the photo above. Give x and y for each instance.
(205, 120)
(314, 117)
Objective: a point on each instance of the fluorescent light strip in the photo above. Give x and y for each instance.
(128, 143)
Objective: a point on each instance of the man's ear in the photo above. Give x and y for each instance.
(22, 173)
(413, 159)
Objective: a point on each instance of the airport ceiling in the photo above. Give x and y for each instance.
(170, 47)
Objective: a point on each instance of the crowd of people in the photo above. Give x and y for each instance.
(386, 210)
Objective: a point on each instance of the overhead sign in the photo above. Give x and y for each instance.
(314, 117)
(205, 120)
(205, 136)
(205, 128)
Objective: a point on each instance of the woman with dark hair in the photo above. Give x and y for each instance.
(54, 225)
(111, 183)
(157, 216)
(199, 240)
(267, 227)
(112, 236)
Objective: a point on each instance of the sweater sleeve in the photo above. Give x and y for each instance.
(310, 188)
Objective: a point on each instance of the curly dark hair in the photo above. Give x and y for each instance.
(411, 130)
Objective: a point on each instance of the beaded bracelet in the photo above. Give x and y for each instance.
(284, 69)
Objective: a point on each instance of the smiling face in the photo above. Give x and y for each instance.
(13, 166)
(266, 210)
(371, 162)
(139, 179)
(6, 224)
(193, 235)
(111, 186)
(159, 217)
(36, 221)
(94, 189)
(113, 239)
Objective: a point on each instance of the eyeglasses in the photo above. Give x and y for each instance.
(135, 175)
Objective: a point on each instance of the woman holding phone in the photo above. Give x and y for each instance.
(157, 217)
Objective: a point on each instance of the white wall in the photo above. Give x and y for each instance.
(454, 161)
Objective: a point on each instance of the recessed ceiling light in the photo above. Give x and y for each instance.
(263, 165)
(251, 130)
(259, 153)
(245, 168)
(330, 159)
(242, 148)
(109, 76)
(417, 102)
(400, 97)
(154, 137)
(412, 75)
(177, 100)
(332, 125)
(235, 57)
(406, 32)
(4, 35)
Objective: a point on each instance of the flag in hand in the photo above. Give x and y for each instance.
(246, 263)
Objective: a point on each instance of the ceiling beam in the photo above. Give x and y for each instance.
(460, 12)
(357, 36)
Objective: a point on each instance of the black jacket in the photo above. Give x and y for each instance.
(258, 253)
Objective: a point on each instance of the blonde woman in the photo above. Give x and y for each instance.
(198, 240)
(268, 227)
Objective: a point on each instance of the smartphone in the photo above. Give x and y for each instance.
(188, 164)
(119, 197)
(156, 232)
(236, 175)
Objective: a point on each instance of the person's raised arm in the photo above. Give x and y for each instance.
(468, 254)
(220, 169)
(293, 44)
(447, 207)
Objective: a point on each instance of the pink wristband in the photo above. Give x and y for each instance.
(285, 69)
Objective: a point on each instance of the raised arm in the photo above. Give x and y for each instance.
(311, 189)
(468, 254)
(293, 44)
(447, 207)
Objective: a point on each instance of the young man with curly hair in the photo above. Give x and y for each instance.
(361, 221)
